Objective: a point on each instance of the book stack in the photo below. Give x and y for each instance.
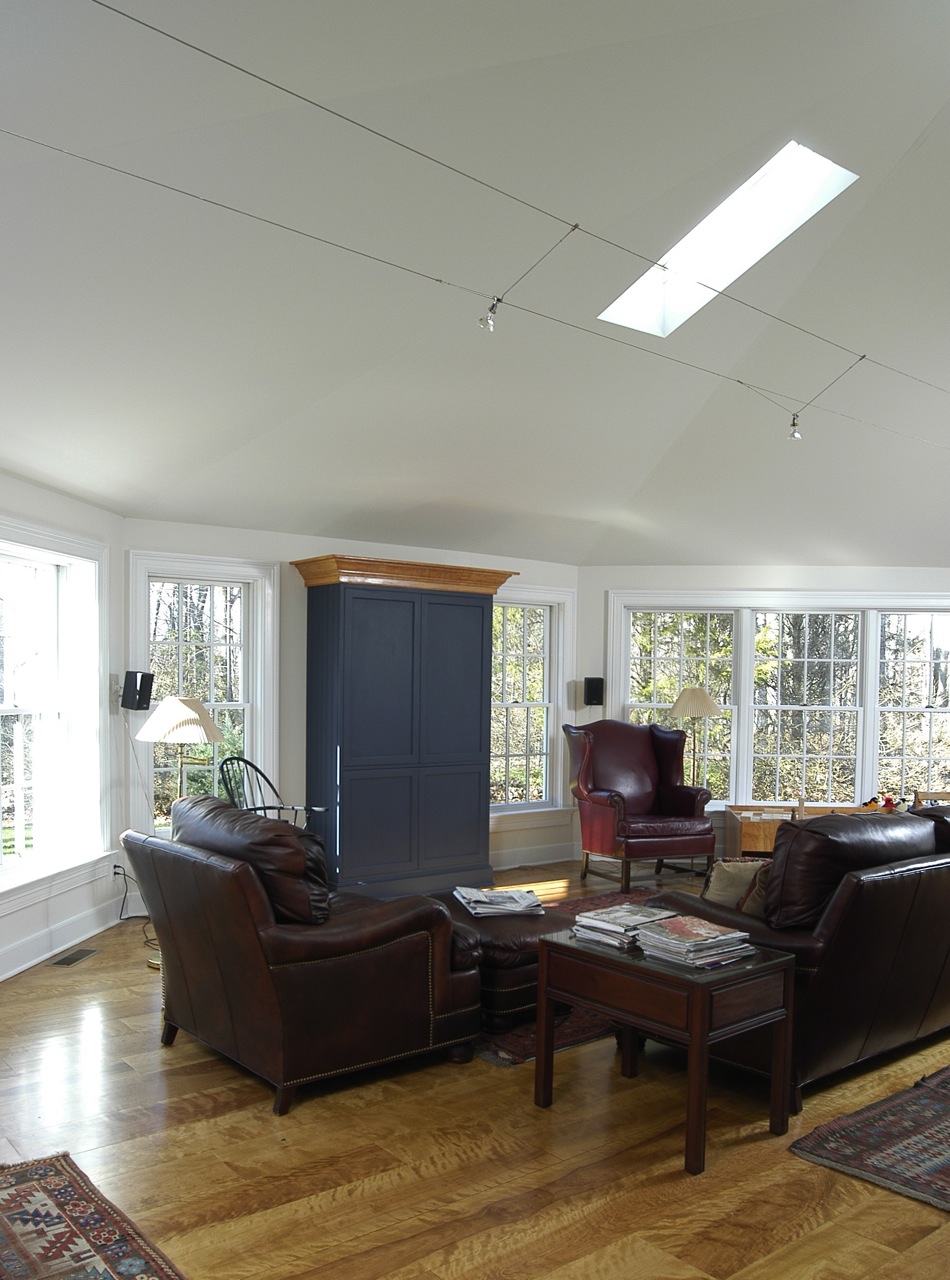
(692, 941)
(500, 902)
(615, 926)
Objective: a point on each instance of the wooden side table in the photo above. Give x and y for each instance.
(751, 829)
(692, 1007)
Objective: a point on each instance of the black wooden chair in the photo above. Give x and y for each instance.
(248, 787)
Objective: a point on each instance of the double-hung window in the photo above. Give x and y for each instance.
(206, 629)
(669, 651)
(521, 704)
(532, 648)
(832, 704)
(51, 711)
(914, 729)
(196, 650)
(805, 706)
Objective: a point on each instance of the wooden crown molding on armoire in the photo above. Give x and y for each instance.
(399, 719)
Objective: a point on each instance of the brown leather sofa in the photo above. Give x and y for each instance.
(863, 903)
(296, 984)
(628, 782)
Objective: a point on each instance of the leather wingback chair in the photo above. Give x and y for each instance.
(294, 983)
(628, 780)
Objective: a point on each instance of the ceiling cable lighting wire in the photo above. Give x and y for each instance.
(424, 155)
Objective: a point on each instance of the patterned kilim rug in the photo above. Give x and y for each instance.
(902, 1143)
(579, 1026)
(54, 1225)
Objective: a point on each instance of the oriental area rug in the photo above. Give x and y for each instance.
(579, 1026)
(902, 1143)
(55, 1225)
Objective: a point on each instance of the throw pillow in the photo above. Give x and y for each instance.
(752, 901)
(729, 881)
(290, 862)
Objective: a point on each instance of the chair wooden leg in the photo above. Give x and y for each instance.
(625, 876)
(585, 859)
(659, 866)
(169, 1031)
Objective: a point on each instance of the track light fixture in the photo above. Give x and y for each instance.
(488, 320)
(794, 433)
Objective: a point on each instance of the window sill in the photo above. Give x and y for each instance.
(542, 816)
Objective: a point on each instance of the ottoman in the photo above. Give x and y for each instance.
(509, 967)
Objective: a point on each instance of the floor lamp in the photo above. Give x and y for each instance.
(694, 704)
(181, 721)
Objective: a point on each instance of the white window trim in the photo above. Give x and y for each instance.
(766, 599)
(21, 538)
(562, 603)
(263, 648)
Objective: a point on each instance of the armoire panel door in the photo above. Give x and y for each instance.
(454, 676)
(377, 823)
(380, 677)
(453, 816)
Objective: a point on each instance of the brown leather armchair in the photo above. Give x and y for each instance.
(628, 780)
(296, 984)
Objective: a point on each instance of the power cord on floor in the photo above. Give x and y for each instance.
(127, 880)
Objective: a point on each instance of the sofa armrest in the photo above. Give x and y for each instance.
(466, 947)
(357, 923)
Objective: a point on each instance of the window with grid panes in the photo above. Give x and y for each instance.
(805, 706)
(914, 724)
(670, 650)
(521, 706)
(49, 706)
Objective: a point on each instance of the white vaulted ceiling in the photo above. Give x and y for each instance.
(245, 248)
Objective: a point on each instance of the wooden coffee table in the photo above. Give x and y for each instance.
(692, 1007)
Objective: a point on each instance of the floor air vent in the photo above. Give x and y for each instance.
(73, 957)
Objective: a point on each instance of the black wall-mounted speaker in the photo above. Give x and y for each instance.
(593, 691)
(137, 690)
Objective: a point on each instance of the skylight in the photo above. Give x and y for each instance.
(760, 214)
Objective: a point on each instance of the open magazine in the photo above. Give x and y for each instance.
(500, 902)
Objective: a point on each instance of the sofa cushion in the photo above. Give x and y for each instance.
(811, 858)
(939, 815)
(290, 862)
(729, 881)
(752, 902)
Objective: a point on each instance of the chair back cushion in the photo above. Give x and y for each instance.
(623, 759)
(290, 862)
(811, 858)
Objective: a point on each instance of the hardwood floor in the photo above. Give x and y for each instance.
(434, 1171)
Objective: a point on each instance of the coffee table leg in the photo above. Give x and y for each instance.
(629, 1052)
(781, 1069)
(544, 1037)
(697, 1076)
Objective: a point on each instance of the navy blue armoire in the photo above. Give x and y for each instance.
(398, 720)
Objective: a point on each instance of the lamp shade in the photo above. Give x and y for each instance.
(180, 720)
(693, 701)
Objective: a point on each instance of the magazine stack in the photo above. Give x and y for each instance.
(615, 926)
(692, 941)
(500, 902)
